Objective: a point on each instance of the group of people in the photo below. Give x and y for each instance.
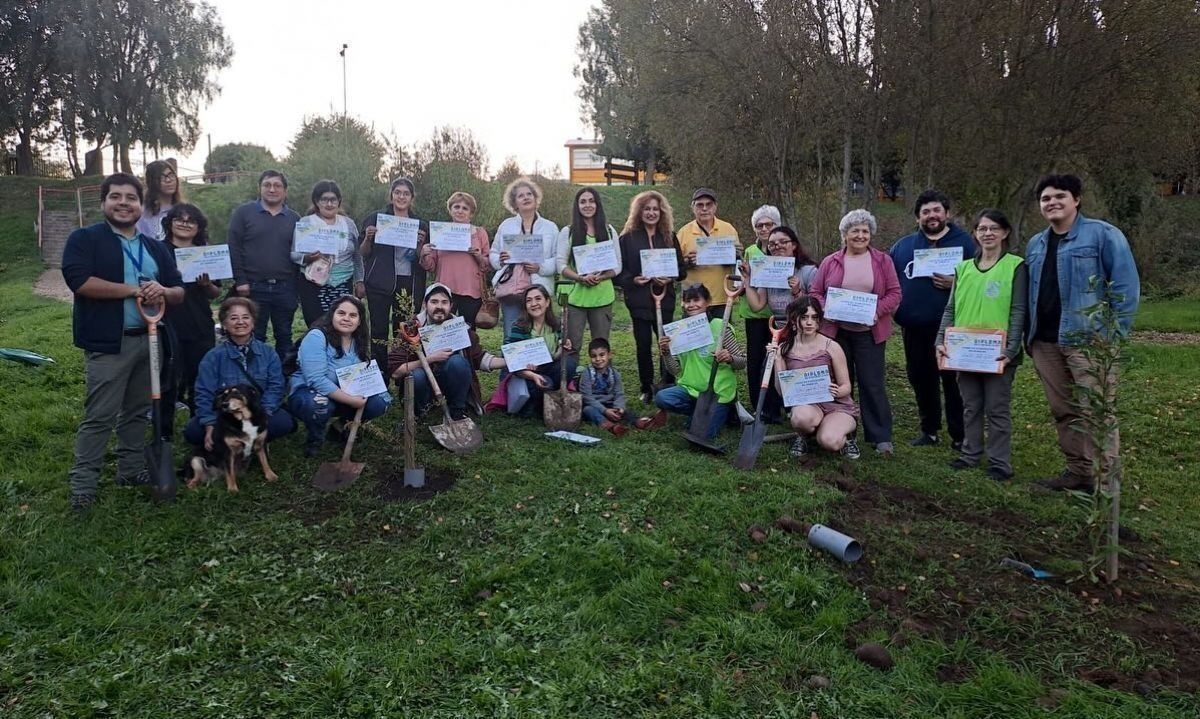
(362, 302)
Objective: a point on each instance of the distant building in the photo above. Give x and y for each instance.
(588, 167)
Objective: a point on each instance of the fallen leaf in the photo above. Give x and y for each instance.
(744, 587)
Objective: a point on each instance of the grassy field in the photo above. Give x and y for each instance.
(613, 581)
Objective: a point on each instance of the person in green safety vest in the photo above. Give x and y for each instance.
(990, 293)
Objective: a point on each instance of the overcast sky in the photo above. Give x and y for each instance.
(501, 68)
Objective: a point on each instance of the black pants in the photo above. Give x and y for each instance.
(758, 336)
(315, 300)
(865, 363)
(383, 310)
(468, 307)
(183, 387)
(920, 359)
(644, 332)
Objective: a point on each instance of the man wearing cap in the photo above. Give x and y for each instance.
(706, 224)
(391, 270)
(260, 252)
(454, 370)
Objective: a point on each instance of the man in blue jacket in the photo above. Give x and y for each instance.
(109, 266)
(920, 314)
(1071, 263)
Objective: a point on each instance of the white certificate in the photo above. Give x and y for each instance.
(524, 248)
(595, 258)
(450, 335)
(716, 250)
(450, 236)
(659, 263)
(689, 333)
(362, 379)
(771, 272)
(808, 385)
(936, 260)
(974, 350)
(211, 260)
(397, 231)
(313, 238)
(519, 355)
(850, 306)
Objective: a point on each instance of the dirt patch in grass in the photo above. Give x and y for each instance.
(932, 570)
(51, 284)
(1166, 338)
(391, 488)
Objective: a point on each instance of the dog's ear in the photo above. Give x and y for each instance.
(252, 393)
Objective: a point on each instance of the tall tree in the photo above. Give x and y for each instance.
(454, 144)
(30, 75)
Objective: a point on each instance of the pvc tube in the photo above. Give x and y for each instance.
(845, 549)
(414, 477)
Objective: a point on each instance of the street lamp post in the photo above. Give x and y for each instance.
(344, 111)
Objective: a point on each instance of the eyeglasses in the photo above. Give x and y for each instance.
(185, 222)
(272, 186)
(780, 243)
(330, 201)
(988, 230)
(764, 226)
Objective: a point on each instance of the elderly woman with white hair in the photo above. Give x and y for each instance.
(864, 269)
(522, 197)
(758, 322)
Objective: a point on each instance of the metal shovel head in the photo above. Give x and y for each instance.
(332, 476)
(752, 442)
(562, 410)
(460, 436)
(164, 483)
(702, 442)
(702, 413)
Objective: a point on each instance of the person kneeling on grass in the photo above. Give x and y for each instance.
(694, 367)
(338, 339)
(603, 392)
(830, 423)
(453, 370)
(527, 388)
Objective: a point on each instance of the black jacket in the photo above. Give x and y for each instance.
(637, 297)
(379, 267)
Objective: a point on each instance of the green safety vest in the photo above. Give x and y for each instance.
(580, 295)
(697, 366)
(983, 299)
(743, 306)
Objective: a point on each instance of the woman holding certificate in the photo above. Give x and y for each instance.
(858, 288)
(591, 261)
(337, 340)
(523, 252)
(462, 272)
(815, 383)
(649, 229)
(775, 288)
(192, 320)
(325, 245)
(527, 387)
(980, 336)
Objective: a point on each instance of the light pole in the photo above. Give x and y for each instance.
(344, 112)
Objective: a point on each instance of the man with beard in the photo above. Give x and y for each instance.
(455, 371)
(109, 266)
(920, 313)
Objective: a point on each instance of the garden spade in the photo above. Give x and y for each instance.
(562, 409)
(706, 403)
(159, 461)
(753, 435)
(460, 436)
(332, 476)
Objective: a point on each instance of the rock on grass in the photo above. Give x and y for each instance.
(875, 655)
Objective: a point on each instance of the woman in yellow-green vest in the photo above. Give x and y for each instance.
(693, 368)
(989, 293)
(589, 294)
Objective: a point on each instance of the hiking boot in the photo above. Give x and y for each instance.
(884, 448)
(962, 463)
(924, 440)
(81, 503)
(850, 449)
(658, 420)
(141, 479)
(616, 428)
(799, 447)
(998, 475)
(1067, 481)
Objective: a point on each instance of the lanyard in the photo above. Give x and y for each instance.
(137, 263)
(531, 224)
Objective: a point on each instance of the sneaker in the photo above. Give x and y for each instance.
(141, 479)
(884, 448)
(850, 449)
(658, 420)
(81, 503)
(457, 414)
(1067, 481)
(961, 463)
(799, 447)
(956, 445)
(182, 407)
(924, 440)
(744, 415)
(999, 475)
(646, 398)
(617, 429)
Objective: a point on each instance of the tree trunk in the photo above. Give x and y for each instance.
(93, 162)
(126, 166)
(847, 146)
(24, 154)
(651, 167)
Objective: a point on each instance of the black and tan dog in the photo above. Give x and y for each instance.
(240, 431)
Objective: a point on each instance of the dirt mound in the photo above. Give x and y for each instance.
(391, 488)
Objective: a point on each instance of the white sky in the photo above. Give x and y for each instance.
(501, 68)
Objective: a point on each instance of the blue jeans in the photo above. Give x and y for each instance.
(315, 410)
(454, 380)
(279, 424)
(276, 304)
(676, 399)
(596, 416)
(523, 394)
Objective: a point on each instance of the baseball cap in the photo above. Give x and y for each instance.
(704, 192)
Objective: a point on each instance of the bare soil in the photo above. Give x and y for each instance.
(51, 284)
(391, 488)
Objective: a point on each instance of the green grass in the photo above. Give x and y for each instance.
(614, 571)
(1175, 315)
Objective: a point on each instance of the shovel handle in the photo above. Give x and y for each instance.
(151, 318)
(353, 433)
(733, 286)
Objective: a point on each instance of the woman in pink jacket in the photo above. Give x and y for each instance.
(869, 275)
(462, 272)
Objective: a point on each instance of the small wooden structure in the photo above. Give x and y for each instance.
(586, 166)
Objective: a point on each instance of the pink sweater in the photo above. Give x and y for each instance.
(887, 287)
(459, 270)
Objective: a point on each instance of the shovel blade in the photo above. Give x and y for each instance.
(562, 410)
(460, 436)
(332, 476)
(164, 484)
(702, 413)
(701, 442)
(752, 442)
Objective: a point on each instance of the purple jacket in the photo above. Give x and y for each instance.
(886, 287)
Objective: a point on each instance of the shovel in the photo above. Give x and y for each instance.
(658, 299)
(562, 409)
(163, 481)
(414, 476)
(332, 476)
(706, 403)
(753, 435)
(460, 436)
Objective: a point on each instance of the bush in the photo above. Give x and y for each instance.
(238, 156)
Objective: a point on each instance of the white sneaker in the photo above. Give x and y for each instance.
(744, 414)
